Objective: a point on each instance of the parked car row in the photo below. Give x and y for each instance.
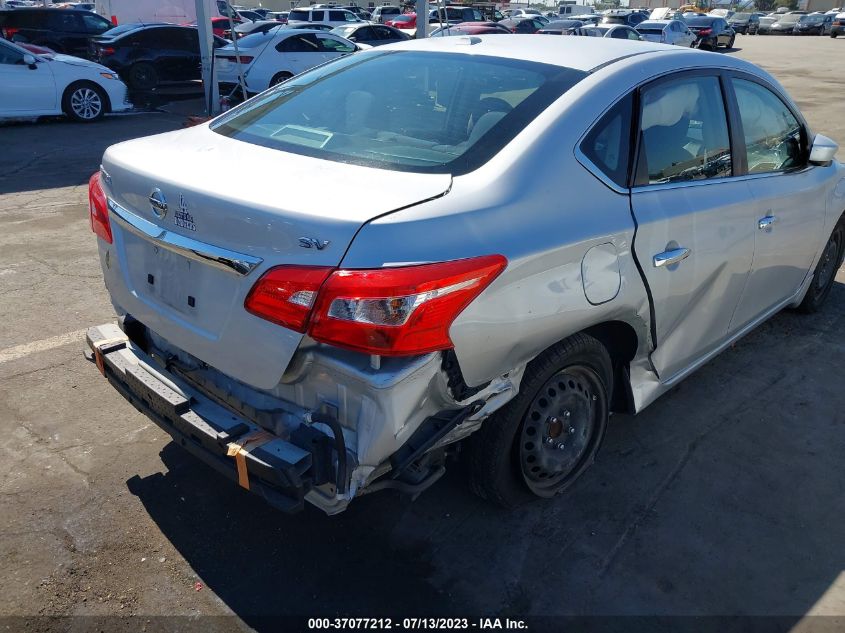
(37, 82)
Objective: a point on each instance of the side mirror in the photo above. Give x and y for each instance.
(30, 61)
(823, 150)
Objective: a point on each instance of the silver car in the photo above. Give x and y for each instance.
(666, 31)
(470, 254)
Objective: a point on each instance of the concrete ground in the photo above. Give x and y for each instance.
(725, 498)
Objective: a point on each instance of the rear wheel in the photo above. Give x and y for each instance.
(825, 273)
(84, 101)
(143, 76)
(731, 42)
(279, 78)
(539, 443)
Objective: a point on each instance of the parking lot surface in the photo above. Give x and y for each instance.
(724, 498)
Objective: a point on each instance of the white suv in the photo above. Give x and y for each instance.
(333, 17)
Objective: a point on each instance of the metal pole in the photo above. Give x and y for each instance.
(422, 19)
(209, 77)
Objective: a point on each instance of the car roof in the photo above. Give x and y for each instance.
(579, 53)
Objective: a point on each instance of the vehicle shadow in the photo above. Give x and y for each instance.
(722, 499)
(36, 153)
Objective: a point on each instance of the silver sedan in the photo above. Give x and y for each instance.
(486, 242)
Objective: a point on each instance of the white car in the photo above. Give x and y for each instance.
(270, 58)
(41, 85)
(667, 32)
(333, 17)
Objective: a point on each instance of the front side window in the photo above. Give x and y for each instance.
(607, 145)
(306, 43)
(402, 110)
(683, 132)
(331, 45)
(774, 139)
(64, 21)
(9, 55)
(95, 24)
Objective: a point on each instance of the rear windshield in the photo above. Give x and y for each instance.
(402, 110)
(811, 19)
(657, 27)
(701, 21)
(404, 18)
(741, 16)
(257, 39)
(790, 19)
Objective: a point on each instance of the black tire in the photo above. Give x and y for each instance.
(516, 456)
(85, 101)
(142, 76)
(279, 78)
(825, 274)
(731, 43)
(833, 35)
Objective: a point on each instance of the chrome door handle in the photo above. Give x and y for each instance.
(667, 258)
(765, 224)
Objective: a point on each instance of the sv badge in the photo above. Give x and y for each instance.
(312, 242)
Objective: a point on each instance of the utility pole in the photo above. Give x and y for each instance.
(210, 90)
(422, 19)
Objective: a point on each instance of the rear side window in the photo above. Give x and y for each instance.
(683, 132)
(774, 139)
(25, 19)
(303, 16)
(608, 144)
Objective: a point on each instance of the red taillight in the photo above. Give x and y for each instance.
(106, 50)
(9, 32)
(286, 294)
(386, 311)
(97, 209)
(245, 59)
(705, 31)
(399, 311)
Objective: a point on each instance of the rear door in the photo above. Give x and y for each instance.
(789, 204)
(694, 242)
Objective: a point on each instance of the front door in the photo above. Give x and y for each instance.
(693, 241)
(789, 200)
(25, 89)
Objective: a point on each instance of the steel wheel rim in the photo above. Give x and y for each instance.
(86, 103)
(567, 411)
(827, 271)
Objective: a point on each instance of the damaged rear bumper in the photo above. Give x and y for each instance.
(266, 465)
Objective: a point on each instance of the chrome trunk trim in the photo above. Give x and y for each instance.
(230, 261)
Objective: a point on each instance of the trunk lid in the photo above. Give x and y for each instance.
(233, 201)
